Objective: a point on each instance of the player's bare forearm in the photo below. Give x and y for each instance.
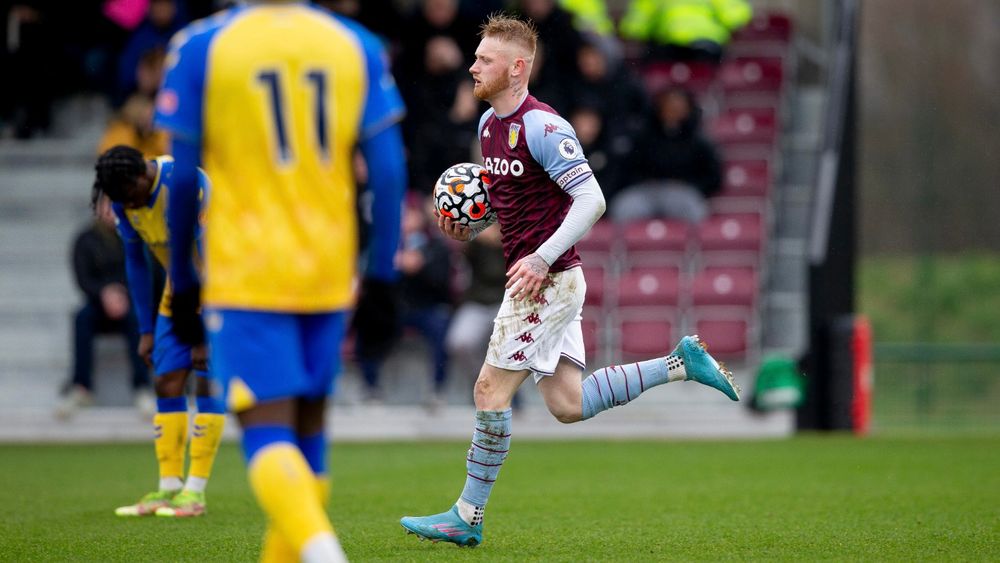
(145, 350)
(527, 276)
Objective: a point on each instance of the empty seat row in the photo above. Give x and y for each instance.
(722, 239)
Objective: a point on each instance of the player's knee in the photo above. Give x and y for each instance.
(487, 397)
(170, 384)
(565, 412)
(203, 387)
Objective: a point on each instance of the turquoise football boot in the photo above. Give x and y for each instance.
(447, 526)
(703, 368)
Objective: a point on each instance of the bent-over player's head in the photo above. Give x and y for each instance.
(123, 176)
(504, 56)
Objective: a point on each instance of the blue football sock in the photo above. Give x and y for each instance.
(256, 438)
(313, 448)
(617, 385)
(172, 404)
(209, 405)
(490, 443)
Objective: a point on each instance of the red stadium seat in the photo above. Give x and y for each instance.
(744, 178)
(647, 313)
(723, 310)
(766, 27)
(648, 286)
(745, 186)
(656, 242)
(592, 337)
(641, 339)
(727, 339)
(595, 276)
(597, 245)
(718, 286)
(751, 75)
(731, 239)
(697, 77)
(755, 128)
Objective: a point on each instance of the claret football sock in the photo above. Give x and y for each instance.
(617, 385)
(170, 426)
(490, 443)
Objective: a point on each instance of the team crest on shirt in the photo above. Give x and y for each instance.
(515, 129)
(568, 150)
(167, 102)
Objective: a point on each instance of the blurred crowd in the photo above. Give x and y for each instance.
(643, 138)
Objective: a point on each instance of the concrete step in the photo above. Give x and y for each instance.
(367, 423)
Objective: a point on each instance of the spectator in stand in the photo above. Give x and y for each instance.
(165, 17)
(443, 129)
(472, 324)
(99, 267)
(614, 90)
(607, 157)
(149, 72)
(590, 16)
(132, 125)
(433, 18)
(424, 263)
(559, 40)
(30, 43)
(379, 16)
(549, 86)
(688, 30)
(677, 167)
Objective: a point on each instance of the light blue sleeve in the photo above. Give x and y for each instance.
(553, 144)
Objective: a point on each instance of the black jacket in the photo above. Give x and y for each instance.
(98, 260)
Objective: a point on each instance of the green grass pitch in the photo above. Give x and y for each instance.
(808, 498)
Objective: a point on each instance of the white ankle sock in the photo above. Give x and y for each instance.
(473, 515)
(196, 484)
(323, 548)
(675, 369)
(171, 484)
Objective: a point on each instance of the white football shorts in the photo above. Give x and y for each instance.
(534, 333)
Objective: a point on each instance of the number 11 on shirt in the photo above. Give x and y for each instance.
(275, 90)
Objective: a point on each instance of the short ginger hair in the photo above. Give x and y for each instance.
(510, 29)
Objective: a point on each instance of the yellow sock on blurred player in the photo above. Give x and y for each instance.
(171, 439)
(276, 549)
(205, 443)
(286, 489)
(323, 490)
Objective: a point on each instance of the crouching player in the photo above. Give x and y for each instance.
(138, 190)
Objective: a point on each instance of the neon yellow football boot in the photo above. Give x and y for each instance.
(186, 504)
(147, 505)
